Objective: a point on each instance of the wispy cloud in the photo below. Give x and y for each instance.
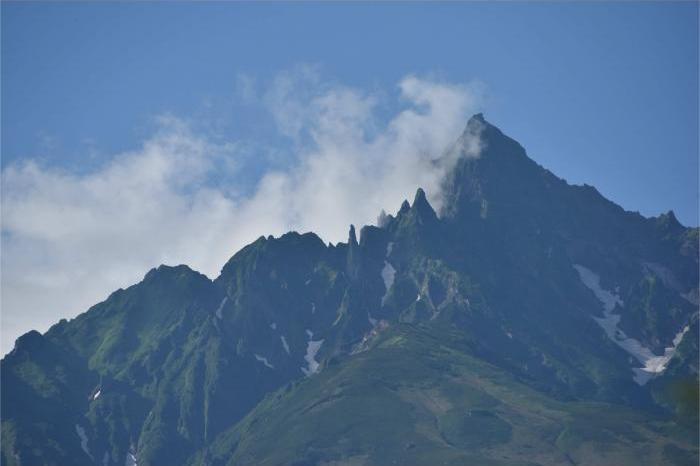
(71, 238)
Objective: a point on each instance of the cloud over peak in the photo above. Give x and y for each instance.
(71, 238)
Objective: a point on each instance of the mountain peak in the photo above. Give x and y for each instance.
(476, 118)
(422, 207)
(171, 271)
(405, 207)
(29, 340)
(669, 221)
(479, 291)
(476, 125)
(420, 197)
(352, 237)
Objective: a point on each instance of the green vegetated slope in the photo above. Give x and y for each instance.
(522, 325)
(416, 397)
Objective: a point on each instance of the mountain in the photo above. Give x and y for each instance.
(529, 322)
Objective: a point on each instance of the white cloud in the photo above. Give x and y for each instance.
(70, 239)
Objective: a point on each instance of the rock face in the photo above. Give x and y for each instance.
(528, 322)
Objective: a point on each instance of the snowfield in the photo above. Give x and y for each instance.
(388, 273)
(264, 361)
(312, 349)
(652, 365)
(83, 439)
(221, 307)
(284, 343)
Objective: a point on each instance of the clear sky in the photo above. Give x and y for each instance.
(110, 102)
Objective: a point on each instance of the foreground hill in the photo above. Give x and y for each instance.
(531, 322)
(416, 396)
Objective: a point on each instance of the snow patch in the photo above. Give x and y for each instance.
(284, 343)
(312, 348)
(131, 459)
(221, 307)
(307, 282)
(388, 274)
(657, 364)
(264, 361)
(367, 337)
(652, 365)
(313, 308)
(418, 297)
(83, 439)
(592, 282)
(679, 336)
(96, 395)
(273, 326)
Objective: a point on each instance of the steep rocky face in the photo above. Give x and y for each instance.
(522, 281)
(544, 227)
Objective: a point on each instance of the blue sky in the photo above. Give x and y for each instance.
(600, 93)
(604, 93)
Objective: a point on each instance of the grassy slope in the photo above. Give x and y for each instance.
(418, 398)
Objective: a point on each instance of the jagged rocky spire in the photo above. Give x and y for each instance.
(422, 207)
(353, 258)
(352, 238)
(405, 207)
(420, 201)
